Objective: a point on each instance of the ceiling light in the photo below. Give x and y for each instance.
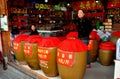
(46, 1)
(96, 1)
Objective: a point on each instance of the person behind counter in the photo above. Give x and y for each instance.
(84, 28)
(34, 30)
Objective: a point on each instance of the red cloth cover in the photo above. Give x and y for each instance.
(72, 34)
(94, 35)
(21, 37)
(73, 45)
(116, 33)
(34, 39)
(107, 46)
(49, 42)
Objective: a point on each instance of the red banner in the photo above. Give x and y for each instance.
(87, 5)
(28, 49)
(43, 53)
(113, 4)
(16, 46)
(65, 58)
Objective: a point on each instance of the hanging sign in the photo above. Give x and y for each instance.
(87, 5)
(65, 58)
(42, 6)
(113, 4)
(3, 23)
(18, 10)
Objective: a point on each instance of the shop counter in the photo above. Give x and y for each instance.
(47, 33)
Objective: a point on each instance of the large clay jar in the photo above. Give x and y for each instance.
(47, 53)
(114, 37)
(31, 50)
(18, 45)
(94, 45)
(106, 53)
(72, 59)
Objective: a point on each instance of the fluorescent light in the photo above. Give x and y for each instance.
(46, 0)
(96, 1)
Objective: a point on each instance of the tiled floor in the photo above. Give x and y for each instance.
(97, 71)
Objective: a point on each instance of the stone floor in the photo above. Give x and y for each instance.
(97, 71)
(12, 73)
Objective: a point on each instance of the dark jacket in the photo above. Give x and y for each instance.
(14, 30)
(34, 32)
(84, 27)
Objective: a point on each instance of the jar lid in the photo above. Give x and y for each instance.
(107, 46)
(73, 45)
(116, 33)
(21, 37)
(34, 38)
(49, 42)
(72, 35)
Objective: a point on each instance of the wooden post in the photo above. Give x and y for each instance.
(5, 35)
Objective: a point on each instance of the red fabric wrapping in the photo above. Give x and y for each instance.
(61, 38)
(94, 35)
(72, 35)
(49, 42)
(70, 26)
(73, 45)
(21, 37)
(116, 33)
(107, 46)
(34, 39)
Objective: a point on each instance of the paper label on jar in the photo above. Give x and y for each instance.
(43, 53)
(65, 58)
(44, 63)
(16, 46)
(28, 49)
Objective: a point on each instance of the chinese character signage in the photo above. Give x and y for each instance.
(16, 46)
(65, 58)
(43, 53)
(28, 49)
(113, 4)
(87, 5)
